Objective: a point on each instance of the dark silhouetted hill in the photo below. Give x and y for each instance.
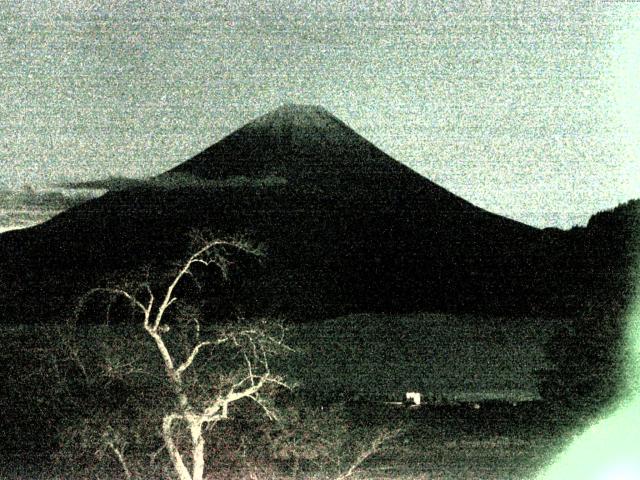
(594, 267)
(589, 354)
(346, 229)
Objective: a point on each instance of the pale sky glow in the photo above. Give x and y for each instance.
(610, 448)
(530, 111)
(625, 65)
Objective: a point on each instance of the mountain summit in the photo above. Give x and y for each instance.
(302, 144)
(302, 118)
(346, 228)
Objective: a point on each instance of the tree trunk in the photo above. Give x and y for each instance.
(197, 441)
(176, 458)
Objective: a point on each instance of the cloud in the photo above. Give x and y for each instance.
(28, 207)
(31, 200)
(110, 183)
(172, 181)
(17, 220)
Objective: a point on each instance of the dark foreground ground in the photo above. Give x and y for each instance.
(495, 441)
(483, 440)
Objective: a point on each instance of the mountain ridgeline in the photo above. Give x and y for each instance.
(345, 229)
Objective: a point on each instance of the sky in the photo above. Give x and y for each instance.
(530, 110)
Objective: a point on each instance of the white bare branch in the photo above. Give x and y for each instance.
(115, 291)
(271, 415)
(253, 342)
(383, 437)
(194, 353)
(176, 457)
(165, 354)
(121, 460)
(151, 297)
(197, 257)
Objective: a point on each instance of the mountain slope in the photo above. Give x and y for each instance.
(346, 228)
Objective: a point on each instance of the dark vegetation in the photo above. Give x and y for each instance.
(589, 353)
(58, 429)
(101, 389)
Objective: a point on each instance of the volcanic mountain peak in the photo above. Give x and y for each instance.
(348, 229)
(293, 141)
(293, 114)
(299, 126)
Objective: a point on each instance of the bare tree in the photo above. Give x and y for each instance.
(191, 412)
(374, 447)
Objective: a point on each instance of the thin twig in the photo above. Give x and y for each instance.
(374, 447)
(121, 460)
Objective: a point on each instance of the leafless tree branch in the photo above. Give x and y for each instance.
(373, 448)
(121, 460)
(254, 344)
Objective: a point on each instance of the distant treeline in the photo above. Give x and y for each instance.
(589, 355)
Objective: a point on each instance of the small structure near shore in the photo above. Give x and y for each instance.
(413, 398)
